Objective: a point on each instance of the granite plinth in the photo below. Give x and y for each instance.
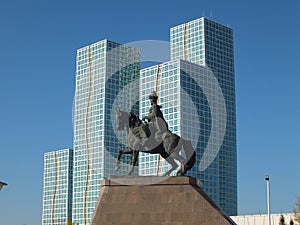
(155, 201)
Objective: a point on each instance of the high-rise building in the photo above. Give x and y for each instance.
(197, 93)
(105, 73)
(57, 193)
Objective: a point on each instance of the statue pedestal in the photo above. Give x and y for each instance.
(162, 201)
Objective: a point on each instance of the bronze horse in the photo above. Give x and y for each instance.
(139, 140)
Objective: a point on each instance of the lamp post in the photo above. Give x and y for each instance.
(268, 198)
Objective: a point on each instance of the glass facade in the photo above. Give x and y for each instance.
(219, 57)
(57, 193)
(104, 69)
(197, 93)
(188, 41)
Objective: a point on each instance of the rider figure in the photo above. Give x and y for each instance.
(155, 118)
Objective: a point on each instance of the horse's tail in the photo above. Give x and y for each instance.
(190, 154)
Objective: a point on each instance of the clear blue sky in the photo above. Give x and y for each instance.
(38, 42)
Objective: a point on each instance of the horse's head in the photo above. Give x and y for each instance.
(126, 120)
(122, 119)
(134, 120)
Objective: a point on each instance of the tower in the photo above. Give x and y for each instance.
(57, 193)
(197, 93)
(104, 69)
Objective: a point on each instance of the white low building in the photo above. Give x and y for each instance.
(262, 219)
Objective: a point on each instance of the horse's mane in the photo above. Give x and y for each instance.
(136, 117)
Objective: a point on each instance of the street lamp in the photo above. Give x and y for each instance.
(268, 198)
(2, 184)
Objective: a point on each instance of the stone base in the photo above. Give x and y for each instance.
(155, 201)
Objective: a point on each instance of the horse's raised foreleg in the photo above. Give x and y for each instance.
(135, 156)
(121, 152)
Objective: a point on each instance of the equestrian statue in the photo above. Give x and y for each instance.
(152, 135)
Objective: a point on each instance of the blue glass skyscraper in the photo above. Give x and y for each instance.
(58, 182)
(197, 93)
(103, 70)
